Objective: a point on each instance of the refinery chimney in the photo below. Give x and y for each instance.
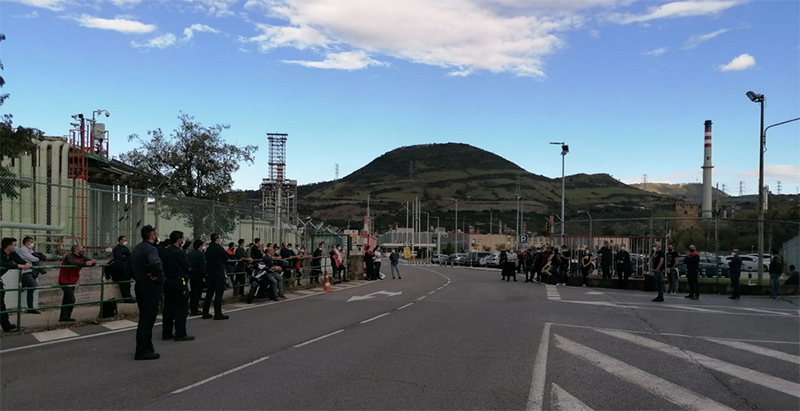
(707, 210)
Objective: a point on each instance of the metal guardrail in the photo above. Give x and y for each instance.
(289, 282)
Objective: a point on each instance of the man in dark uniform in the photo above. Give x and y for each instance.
(240, 278)
(316, 263)
(216, 256)
(255, 250)
(176, 302)
(693, 272)
(121, 268)
(623, 259)
(606, 257)
(149, 273)
(658, 271)
(197, 275)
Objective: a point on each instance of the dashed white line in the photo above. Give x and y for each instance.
(431, 293)
(421, 298)
(406, 306)
(207, 380)
(374, 318)
(318, 338)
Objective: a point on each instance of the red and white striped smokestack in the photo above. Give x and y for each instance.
(707, 209)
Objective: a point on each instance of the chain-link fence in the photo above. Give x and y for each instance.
(59, 214)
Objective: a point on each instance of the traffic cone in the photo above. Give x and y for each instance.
(327, 283)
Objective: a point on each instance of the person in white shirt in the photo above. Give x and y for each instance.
(377, 260)
(30, 275)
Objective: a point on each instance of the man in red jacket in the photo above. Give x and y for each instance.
(69, 276)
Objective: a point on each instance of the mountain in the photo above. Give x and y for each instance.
(481, 180)
(691, 192)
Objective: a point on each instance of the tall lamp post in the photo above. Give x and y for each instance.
(455, 225)
(253, 223)
(564, 152)
(759, 98)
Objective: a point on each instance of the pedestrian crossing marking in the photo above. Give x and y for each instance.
(656, 385)
(767, 352)
(552, 292)
(746, 374)
(118, 325)
(55, 335)
(564, 401)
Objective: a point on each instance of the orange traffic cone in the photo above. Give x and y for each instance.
(327, 283)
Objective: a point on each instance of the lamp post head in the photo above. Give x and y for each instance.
(755, 98)
(564, 149)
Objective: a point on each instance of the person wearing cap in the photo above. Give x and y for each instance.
(735, 272)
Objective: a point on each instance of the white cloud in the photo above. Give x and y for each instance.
(656, 52)
(348, 60)
(742, 62)
(216, 8)
(460, 35)
(775, 172)
(675, 9)
(696, 39)
(188, 33)
(120, 25)
(594, 33)
(32, 15)
(160, 42)
(58, 5)
(301, 37)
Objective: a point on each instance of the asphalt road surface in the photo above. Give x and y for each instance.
(440, 338)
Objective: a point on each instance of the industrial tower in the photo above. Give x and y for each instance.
(278, 194)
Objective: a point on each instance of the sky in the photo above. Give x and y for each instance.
(627, 84)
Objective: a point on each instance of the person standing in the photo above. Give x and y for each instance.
(197, 276)
(149, 274)
(394, 259)
(693, 272)
(216, 257)
(606, 257)
(623, 260)
(176, 301)
(69, 276)
(240, 277)
(255, 250)
(587, 264)
(121, 268)
(503, 259)
(735, 272)
(776, 268)
(511, 265)
(316, 263)
(9, 260)
(369, 263)
(566, 261)
(29, 275)
(377, 258)
(672, 274)
(658, 271)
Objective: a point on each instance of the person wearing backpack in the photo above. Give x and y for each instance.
(776, 268)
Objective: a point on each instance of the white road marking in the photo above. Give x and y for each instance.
(746, 374)
(794, 359)
(54, 335)
(207, 380)
(593, 293)
(118, 325)
(536, 395)
(678, 335)
(406, 306)
(431, 293)
(421, 298)
(760, 311)
(375, 318)
(552, 292)
(318, 338)
(440, 288)
(705, 310)
(656, 385)
(561, 400)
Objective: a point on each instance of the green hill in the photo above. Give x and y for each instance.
(691, 192)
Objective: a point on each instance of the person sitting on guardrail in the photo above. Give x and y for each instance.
(9, 260)
(274, 276)
(69, 276)
(30, 275)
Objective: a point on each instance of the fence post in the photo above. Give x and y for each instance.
(102, 290)
(19, 300)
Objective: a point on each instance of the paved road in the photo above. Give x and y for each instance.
(454, 338)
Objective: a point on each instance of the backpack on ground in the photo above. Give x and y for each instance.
(109, 309)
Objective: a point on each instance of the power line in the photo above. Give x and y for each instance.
(337, 172)
(742, 188)
(780, 186)
(644, 178)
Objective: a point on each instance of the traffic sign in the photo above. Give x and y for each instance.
(350, 232)
(523, 239)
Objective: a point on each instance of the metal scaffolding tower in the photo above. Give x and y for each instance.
(279, 194)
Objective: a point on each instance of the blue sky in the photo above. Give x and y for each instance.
(627, 84)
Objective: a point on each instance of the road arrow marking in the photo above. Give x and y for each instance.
(373, 295)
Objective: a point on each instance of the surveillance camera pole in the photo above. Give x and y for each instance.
(762, 144)
(564, 151)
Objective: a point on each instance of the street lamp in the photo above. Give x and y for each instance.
(564, 152)
(455, 225)
(759, 98)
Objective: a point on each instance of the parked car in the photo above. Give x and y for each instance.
(493, 260)
(460, 259)
(749, 264)
(475, 258)
(440, 258)
(709, 266)
(767, 258)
